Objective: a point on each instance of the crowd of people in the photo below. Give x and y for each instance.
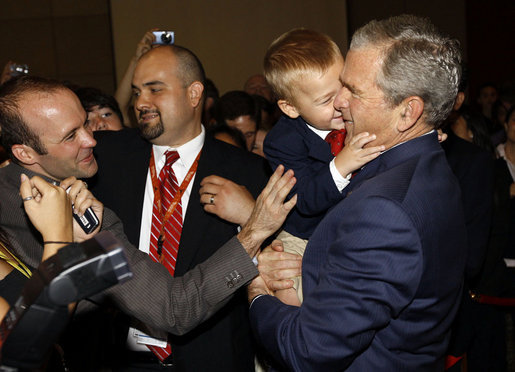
(337, 213)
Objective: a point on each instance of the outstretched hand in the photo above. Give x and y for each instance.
(145, 44)
(7, 73)
(276, 267)
(226, 199)
(442, 136)
(270, 210)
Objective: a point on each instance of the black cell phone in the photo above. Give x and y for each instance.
(88, 222)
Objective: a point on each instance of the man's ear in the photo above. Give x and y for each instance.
(411, 111)
(459, 101)
(24, 154)
(195, 92)
(288, 109)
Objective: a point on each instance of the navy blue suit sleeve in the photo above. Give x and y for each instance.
(371, 273)
(315, 186)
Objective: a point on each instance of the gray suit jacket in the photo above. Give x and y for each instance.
(175, 305)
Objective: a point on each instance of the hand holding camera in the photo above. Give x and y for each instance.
(154, 37)
(12, 69)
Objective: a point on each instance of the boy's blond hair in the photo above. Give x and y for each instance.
(294, 54)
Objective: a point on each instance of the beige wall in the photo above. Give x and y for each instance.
(229, 36)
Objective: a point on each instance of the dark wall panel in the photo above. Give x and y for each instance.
(63, 39)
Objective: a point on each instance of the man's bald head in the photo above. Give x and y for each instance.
(186, 64)
(14, 129)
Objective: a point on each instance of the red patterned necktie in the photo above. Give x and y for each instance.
(164, 241)
(336, 138)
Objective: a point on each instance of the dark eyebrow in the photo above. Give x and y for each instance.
(156, 82)
(150, 83)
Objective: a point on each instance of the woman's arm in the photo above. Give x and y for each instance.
(123, 93)
(49, 210)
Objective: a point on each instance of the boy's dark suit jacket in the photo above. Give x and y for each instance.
(292, 144)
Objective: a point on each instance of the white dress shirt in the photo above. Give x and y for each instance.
(187, 153)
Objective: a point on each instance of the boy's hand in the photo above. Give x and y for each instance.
(441, 136)
(353, 156)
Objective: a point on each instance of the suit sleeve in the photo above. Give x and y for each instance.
(178, 305)
(315, 186)
(371, 272)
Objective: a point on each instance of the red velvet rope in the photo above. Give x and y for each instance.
(492, 300)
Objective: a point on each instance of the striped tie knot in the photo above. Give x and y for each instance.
(171, 157)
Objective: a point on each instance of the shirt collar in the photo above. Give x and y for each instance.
(187, 152)
(400, 143)
(322, 133)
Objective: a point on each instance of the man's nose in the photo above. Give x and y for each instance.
(141, 102)
(341, 101)
(87, 139)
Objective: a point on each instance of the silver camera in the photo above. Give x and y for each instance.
(164, 37)
(17, 70)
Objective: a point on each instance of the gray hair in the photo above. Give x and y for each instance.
(417, 61)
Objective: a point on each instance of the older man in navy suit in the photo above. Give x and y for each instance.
(383, 271)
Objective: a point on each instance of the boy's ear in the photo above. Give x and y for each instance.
(411, 111)
(24, 154)
(288, 109)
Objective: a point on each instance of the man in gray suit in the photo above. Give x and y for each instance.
(44, 130)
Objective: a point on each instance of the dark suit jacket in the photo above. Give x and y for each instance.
(382, 272)
(223, 342)
(496, 279)
(474, 169)
(177, 305)
(293, 144)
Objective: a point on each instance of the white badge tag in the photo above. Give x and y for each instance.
(143, 338)
(510, 262)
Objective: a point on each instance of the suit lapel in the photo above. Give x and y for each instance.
(137, 177)
(317, 147)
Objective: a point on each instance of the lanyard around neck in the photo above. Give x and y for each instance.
(14, 261)
(182, 188)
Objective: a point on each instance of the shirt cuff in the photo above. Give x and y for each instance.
(340, 181)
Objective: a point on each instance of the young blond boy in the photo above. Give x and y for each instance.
(303, 68)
